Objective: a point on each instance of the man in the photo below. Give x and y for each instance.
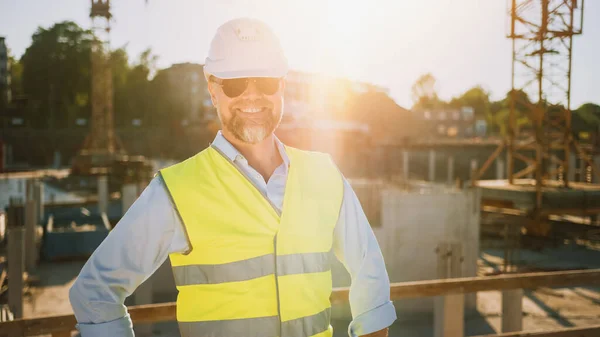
(248, 223)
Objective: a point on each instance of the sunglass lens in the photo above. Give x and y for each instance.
(234, 87)
(268, 86)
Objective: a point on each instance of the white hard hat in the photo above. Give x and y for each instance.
(245, 48)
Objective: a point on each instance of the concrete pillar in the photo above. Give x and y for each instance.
(551, 166)
(582, 170)
(102, 194)
(449, 309)
(57, 159)
(500, 165)
(38, 197)
(4, 158)
(512, 310)
(31, 222)
(474, 166)
(450, 177)
(16, 260)
(405, 163)
(128, 196)
(431, 165)
(572, 160)
(16, 267)
(508, 160)
(596, 175)
(9, 155)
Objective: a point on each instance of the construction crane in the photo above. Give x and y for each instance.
(542, 34)
(102, 150)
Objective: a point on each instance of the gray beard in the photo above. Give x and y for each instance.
(250, 133)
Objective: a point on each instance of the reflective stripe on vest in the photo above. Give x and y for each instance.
(252, 270)
(259, 327)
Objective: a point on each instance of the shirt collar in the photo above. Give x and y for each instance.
(223, 145)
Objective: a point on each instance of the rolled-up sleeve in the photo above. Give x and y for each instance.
(131, 253)
(357, 249)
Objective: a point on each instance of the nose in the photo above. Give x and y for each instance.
(252, 90)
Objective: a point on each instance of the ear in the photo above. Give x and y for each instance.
(212, 91)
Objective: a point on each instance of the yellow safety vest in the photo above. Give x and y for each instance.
(252, 271)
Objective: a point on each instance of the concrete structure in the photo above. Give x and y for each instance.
(16, 258)
(102, 194)
(432, 165)
(13, 185)
(512, 310)
(31, 222)
(405, 164)
(414, 222)
(579, 199)
(449, 310)
(500, 165)
(129, 192)
(450, 178)
(16, 265)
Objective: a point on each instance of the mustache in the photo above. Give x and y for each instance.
(245, 103)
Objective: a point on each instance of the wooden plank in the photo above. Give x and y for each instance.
(489, 161)
(488, 283)
(593, 331)
(52, 324)
(167, 311)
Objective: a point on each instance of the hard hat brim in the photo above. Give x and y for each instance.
(277, 73)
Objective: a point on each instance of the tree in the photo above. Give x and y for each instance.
(477, 98)
(131, 84)
(56, 74)
(586, 118)
(500, 111)
(16, 74)
(388, 121)
(424, 94)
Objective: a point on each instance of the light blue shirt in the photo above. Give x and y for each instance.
(151, 229)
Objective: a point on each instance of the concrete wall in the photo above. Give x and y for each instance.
(413, 223)
(15, 187)
(11, 188)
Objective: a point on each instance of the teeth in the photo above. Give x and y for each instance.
(251, 110)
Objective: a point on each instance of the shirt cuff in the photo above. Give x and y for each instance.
(373, 320)
(121, 327)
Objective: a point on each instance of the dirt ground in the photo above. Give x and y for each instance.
(544, 308)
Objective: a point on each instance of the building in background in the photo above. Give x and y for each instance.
(5, 93)
(189, 89)
(321, 97)
(448, 122)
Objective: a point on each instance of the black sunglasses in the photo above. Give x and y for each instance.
(236, 86)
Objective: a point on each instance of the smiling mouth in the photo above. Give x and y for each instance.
(252, 110)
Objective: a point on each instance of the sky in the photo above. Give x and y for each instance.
(385, 42)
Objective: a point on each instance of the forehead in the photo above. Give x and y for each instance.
(242, 79)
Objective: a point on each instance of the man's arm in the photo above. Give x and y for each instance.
(356, 247)
(131, 253)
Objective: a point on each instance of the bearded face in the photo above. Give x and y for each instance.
(254, 114)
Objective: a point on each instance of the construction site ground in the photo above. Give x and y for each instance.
(544, 308)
